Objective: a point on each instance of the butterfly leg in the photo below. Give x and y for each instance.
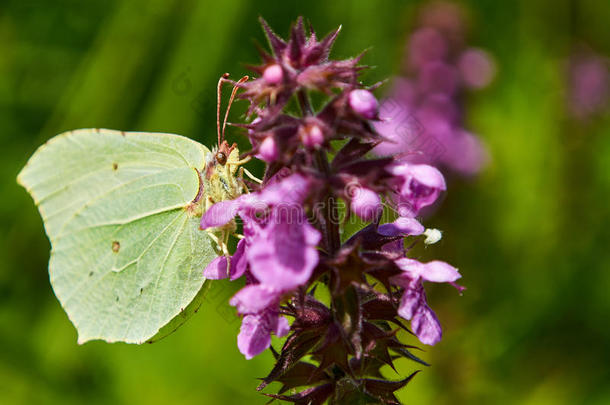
(243, 170)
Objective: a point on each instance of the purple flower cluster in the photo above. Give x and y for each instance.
(278, 252)
(292, 247)
(588, 84)
(422, 117)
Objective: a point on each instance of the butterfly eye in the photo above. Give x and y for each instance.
(221, 158)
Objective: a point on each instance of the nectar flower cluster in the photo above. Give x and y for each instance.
(422, 117)
(291, 247)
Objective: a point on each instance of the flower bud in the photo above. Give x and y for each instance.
(273, 75)
(364, 103)
(477, 68)
(268, 150)
(366, 204)
(313, 136)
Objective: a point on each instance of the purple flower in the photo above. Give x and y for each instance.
(280, 245)
(422, 117)
(255, 333)
(255, 298)
(279, 249)
(588, 84)
(403, 226)
(284, 258)
(260, 306)
(364, 103)
(416, 186)
(435, 271)
(426, 45)
(283, 254)
(217, 268)
(413, 305)
(438, 77)
(366, 204)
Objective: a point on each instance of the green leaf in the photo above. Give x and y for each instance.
(127, 254)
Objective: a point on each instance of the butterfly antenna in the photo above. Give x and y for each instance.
(235, 88)
(222, 79)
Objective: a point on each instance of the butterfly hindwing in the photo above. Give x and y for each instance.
(126, 253)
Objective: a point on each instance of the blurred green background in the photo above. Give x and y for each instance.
(531, 235)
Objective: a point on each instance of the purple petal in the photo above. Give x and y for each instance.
(418, 186)
(239, 263)
(410, 301)
(253, 337)
(255, 333)
(397, 247)
(283, 327)
(290, 190)
(439, 114)
(312, 236)
(411, 266)
(216, 269)
(425, 45)
(366, 204)
(439, 272)
(438, 77)
(467, 153)
(426, 326)
(251, 205)
(220, 214)
(284, 254)
(254, 298)
(435, 271)
(403, 226)
(589, 83)
(428, 176)
(397, 126)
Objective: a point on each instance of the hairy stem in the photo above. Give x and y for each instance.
(330, 226)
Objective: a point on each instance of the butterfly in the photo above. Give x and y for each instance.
(122, 212)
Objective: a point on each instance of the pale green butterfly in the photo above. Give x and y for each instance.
(122, 212)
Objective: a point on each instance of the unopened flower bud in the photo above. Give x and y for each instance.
(364, 103)
(477, 68)
(268, 150)
(366, 204)
(273, 75)
(313, 136)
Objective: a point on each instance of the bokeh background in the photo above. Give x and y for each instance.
(530, 234)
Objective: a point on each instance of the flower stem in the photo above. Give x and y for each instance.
(330, 212)
(304, 103)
